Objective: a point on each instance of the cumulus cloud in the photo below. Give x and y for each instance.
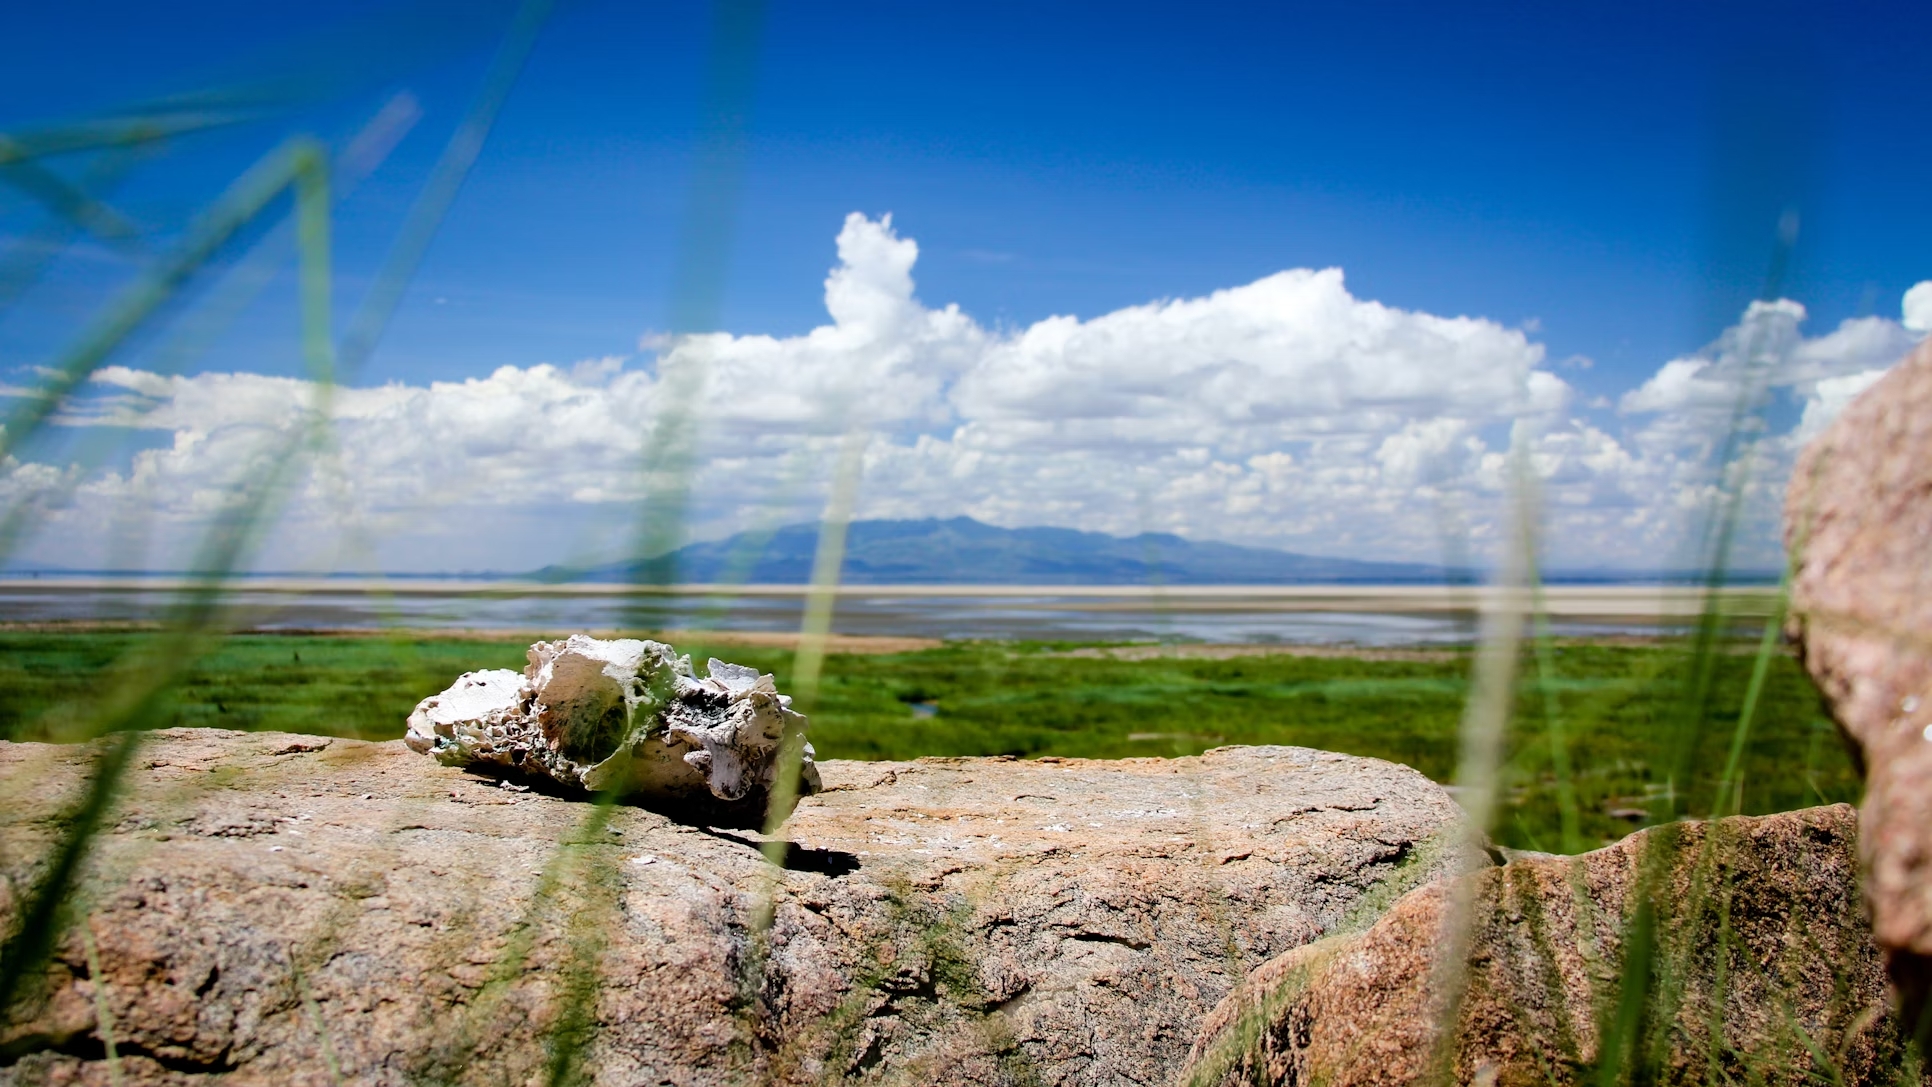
(1289, 357)
(1766, 349)
(1918, 307)
(1683, 412)
(1284, 412)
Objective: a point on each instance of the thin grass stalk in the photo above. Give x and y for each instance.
(246, 199)
(38, 928)
(697, 286)
(426, 213)
(323, 1037)
(1622, 1034)
(669, 452)
(230, 538)
(816, 626)
(1723, 802)
(1569, 817)
(433, 201)
(576, 1021)
(1485, 724)
(808, 663)
(113, 133)
(237, 288)
(74, 204)
(1733, 469)
(241, 285)
(103, 1015)
(711, 207)
(750, 547)
(468, 1033)
(668, 463)
(29, 256)
(133, 705)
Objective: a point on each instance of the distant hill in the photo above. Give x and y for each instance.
(964, 551)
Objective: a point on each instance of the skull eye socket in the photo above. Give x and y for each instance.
(593, 739)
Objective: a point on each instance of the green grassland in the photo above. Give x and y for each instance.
(1619, 705)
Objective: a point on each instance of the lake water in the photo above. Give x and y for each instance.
(1390, 616)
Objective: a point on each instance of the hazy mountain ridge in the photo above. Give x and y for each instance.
(960, 550)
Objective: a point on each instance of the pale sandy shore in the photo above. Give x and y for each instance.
(1586, 602)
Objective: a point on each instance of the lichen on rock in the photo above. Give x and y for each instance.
(624, 716)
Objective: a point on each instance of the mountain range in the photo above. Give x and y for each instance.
(960, 550)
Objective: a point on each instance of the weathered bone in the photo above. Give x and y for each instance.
(626, 716)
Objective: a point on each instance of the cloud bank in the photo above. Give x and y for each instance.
(1285, 412)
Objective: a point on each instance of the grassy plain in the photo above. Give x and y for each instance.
(1619, 706)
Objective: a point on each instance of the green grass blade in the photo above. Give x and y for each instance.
(39, 926)
(237, 207)
(74, 204)
(446, 179)
(698, 283)
(1484, 726)
(131, 129)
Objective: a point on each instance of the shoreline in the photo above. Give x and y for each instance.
(1574, 601)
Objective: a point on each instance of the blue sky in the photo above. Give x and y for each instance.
(1607, 179)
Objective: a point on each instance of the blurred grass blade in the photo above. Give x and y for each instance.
(711, 210)
(72, 203)
(241, 285)
(697, 287)
(132, 704)
(38, 928)
(236, 208)
(1569, 817)
(1622, 1055)
(816, 626)
(827, 561)
(432, 204)
(1733, 469)
(30, 255)
(129, 130)
(1493, 682)
(1723, 803)
(1485, 724)
(103, 1014)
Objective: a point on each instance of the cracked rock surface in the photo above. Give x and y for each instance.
(279, 909)
(624, 716)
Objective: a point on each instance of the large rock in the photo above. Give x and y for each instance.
(628, 717)
(1762, 948)
(1858, 525)
(285, 910)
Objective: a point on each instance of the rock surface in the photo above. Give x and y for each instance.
(282, 909)
(629, 717)
(1547, 960)
(1858, 523)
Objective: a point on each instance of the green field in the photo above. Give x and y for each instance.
(1620, 706)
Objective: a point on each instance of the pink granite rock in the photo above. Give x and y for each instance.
(1858, 524)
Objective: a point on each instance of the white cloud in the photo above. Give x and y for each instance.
(1918, 307)
(1829, 398)
(1284, 412)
